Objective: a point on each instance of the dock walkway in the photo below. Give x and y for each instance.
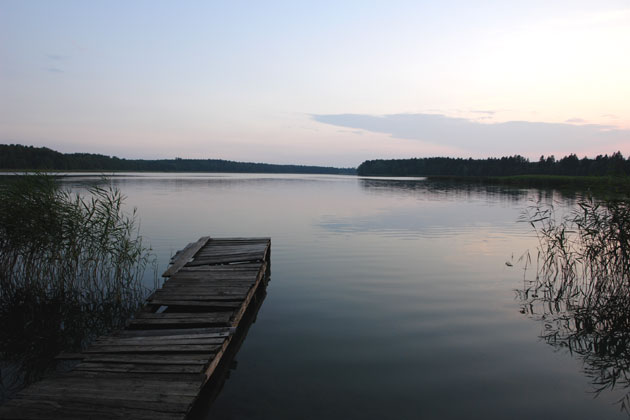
(156, 367)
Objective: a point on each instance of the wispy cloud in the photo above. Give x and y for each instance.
(53, 63)
(53, 70)
(357, 132)
(523, 137)
(575, 121)
(57, 57)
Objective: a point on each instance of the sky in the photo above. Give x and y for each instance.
(316, 82)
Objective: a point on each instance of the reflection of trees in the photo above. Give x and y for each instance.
(582, 288)
(441, 189)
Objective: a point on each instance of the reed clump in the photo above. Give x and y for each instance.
(71, 268)
(582, 287)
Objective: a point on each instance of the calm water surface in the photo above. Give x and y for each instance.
(388, 298)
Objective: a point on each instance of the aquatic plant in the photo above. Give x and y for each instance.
(71, 268)
(582, 287)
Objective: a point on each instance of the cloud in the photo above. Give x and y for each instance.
(513, 137)
(487, 112)
(53, 70)
(357, 132)
(575, 120)
(56, 57)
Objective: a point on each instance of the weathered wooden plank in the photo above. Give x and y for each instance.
(180, 405)
(131, 381)
(241, 239)
(217, 300)
(120, 383)
(199, 281)
(209, 277)
(42, 410)
(198, 272)
(96, 397)
(145, 324)
(185, 256)
(203, 292)
(204, 272)
(184, 331)
(224, 297)
(174, 337)
(178, 253)
(239, 314)
(219, 290)
(226, 268)
(158, 348)
(209, 252)
(182, 315)
(143, 367)
(223, 260)
(224, 250)
(209, 290)
(205, 289)
(153, 359)
(117, 341)
(197, 304)
(214, 245)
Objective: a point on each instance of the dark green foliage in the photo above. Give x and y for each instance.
(18, 157)
(614, 165)
(582, 288)
(71, 268)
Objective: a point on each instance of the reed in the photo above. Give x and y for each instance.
(582, 287)
(71, 268)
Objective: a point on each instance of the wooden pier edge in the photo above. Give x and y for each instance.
(158, 365)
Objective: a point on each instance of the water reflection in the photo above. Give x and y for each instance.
(390, 298)
(581, 293)
(421, 208)
(438, 189)
(203, 407)
(34, 330)
(601, 340)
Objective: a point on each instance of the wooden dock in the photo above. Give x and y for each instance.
(158, 365)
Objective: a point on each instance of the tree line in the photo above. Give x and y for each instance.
(19, 157)
(571, 165)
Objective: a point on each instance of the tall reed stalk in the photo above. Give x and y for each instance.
(582, 288)
(71, 268)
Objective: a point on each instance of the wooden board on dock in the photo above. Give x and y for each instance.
(156, 367)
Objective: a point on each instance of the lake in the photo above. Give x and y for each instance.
(389, 298)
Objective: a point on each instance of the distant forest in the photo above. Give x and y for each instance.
(18, 157)
(613, 165)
